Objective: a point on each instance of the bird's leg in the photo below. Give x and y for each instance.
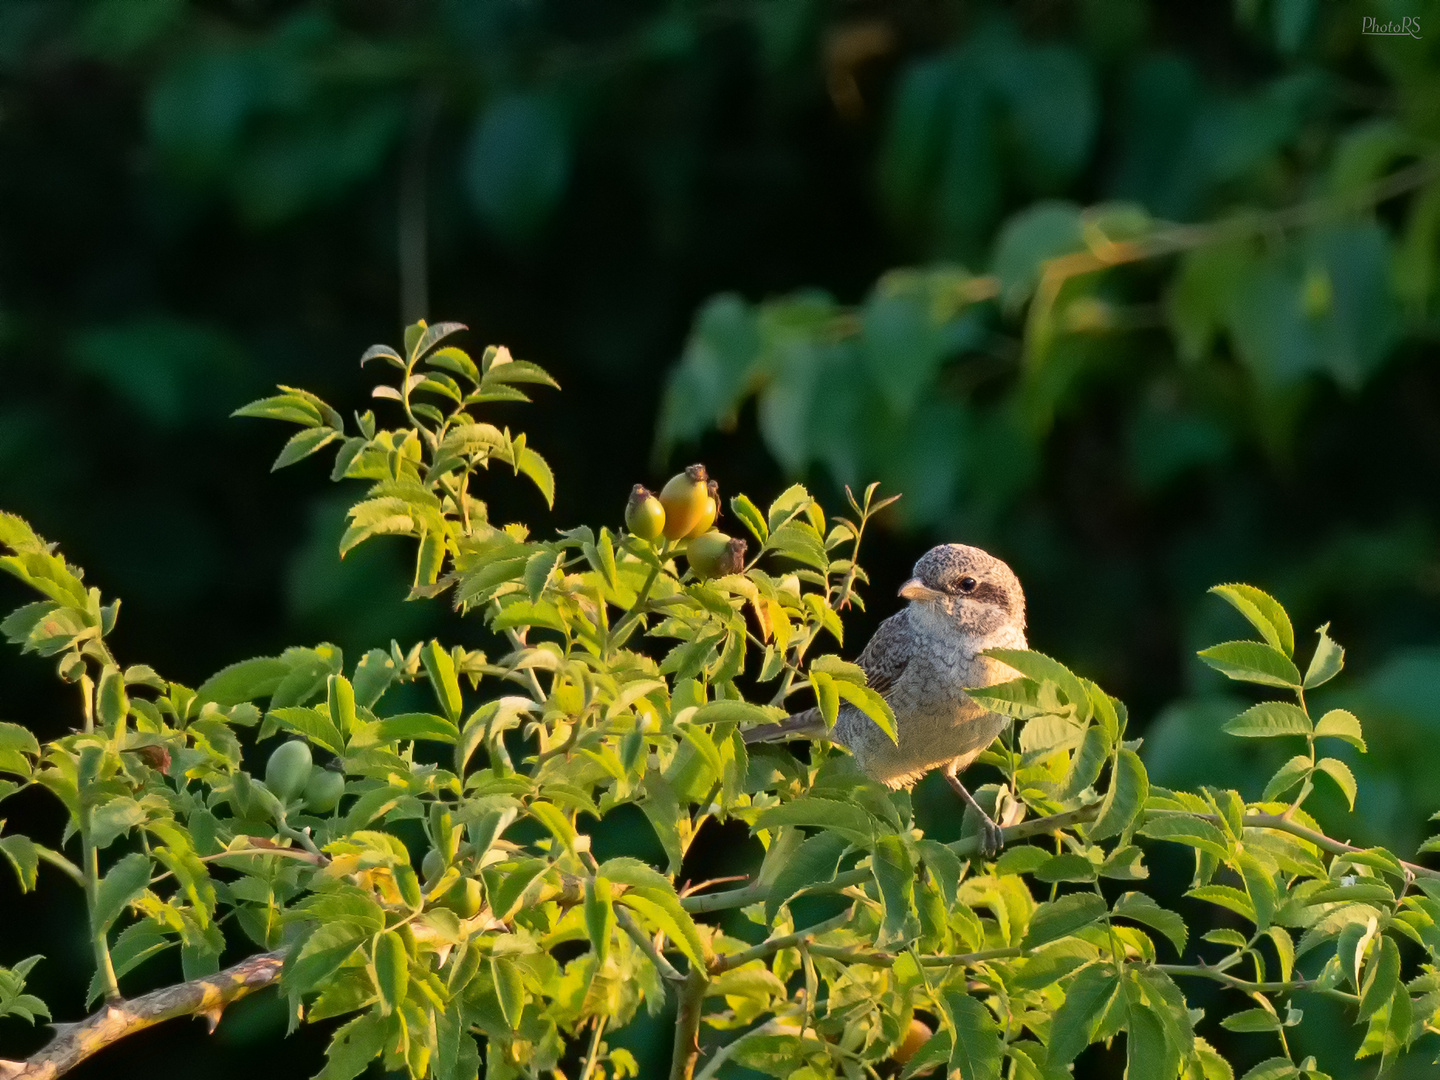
(992, 837)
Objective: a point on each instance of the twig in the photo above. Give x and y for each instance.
(775, 944)
(207, 996)
(630, 926)
(687, 1026)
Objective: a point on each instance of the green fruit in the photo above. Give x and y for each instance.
(433, 865)
(644, 516)
(463, 898)
(288, 770)
(715, 555)
(323, 790)
(683, 498)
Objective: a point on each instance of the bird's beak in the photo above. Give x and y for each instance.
(915, 589)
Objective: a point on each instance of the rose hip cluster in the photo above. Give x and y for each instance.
(686, 511)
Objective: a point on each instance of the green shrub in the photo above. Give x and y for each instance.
(451, 909)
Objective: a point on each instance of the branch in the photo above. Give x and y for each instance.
(687, 1026)
(205, 997)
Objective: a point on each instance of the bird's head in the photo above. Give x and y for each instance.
(969, 586)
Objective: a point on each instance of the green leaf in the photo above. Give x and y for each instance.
(1187, 830)
(245, 681)
(1057, 918)
(353, 1047)
(895, 875)
(749, 514)
(111, 702)
(313, 724)
(661, 909)
(599, 916)
(126, 880)
(416, 726)
(1252, 1021)
(847, 819)
(1329, 658)
(113, 819)
(1129, 788)
(1341, 724)
(1252, 661)
(1339, 772)
(1382, 979)
(827, 697)
(441, 669)
(373, 676)
(23, 856)
(1287, 776)
(1276, 1068)
(537, 469)
(392, 970)
(978, 1052)
(1086, 1000)
(1264, 613)
(317, 956)
(1269, 718)
(871, 704)
(1148, 1054)
(1143, 909)
(302, 444)
(1260, 885)
(1039, 667)
(813, 862)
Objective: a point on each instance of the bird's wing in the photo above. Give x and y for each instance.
(885, 656)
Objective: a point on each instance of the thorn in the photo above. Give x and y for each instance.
(212, 1018)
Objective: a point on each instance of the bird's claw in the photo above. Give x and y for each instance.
(992, 838)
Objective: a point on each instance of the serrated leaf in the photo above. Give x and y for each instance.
(1143, 909)
(871, 704)
(978, 1052)
(1269, 718)
(750, 516)
(1263, 611)
(1329, 658)
(302, 444)
(1129, 788)
(1039, 668)
(1057, 918)
(1382, 979)
(1086, 1000)
(126, 880)
(1287, 776)
(1148, 1053)
(534, 466)
(1344, 779)
(1341, 724)
(1254, 662)
(895, 875)
(813, 863)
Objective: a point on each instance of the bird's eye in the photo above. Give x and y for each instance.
(967, 584)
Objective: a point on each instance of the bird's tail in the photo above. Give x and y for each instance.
(805, 725)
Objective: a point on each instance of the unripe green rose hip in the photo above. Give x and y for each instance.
(644, 516)
(715, 555)
(463, 898)
(683, 498)
(288, 770)
(433, 865)
(324, 790)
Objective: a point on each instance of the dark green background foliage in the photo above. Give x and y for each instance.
(199, 200)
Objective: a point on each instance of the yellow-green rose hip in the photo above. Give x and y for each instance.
(644, 516)
(683, 498)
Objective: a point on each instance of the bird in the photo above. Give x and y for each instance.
(961, 601)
